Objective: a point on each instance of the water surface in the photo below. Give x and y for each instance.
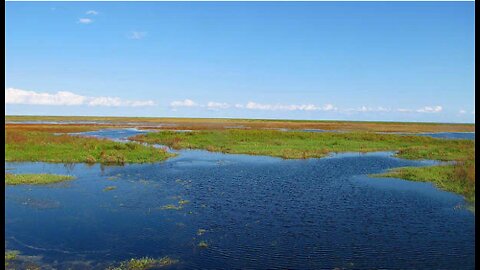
(258, 212)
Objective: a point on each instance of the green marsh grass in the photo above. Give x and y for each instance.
(28, 145)
(312, 145)
(458, 178)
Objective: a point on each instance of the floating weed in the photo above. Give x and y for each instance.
(203, 244)
(171, 207)
(143, 181)
(35, 179)
(167, 261)
(144, 263)
(10, 255)
(112, 178)
(183, 202)
(201, 232)
(109, 188)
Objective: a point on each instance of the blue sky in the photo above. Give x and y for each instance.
(392, 61)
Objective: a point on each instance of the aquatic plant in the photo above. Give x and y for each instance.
(35, 179)
(183, 202)
(200, 232)
(144, 263)
(10, 256)
(171, 207)
(109, 188)
(202, 244)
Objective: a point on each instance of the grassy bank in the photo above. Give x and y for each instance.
(35, 179)
(39, 143)
(459, 178)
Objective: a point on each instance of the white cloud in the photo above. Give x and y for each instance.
(92, 12)
(85, 21)
(217, 105)
(137, 35)
(269, 107)
(462, 112)
(428, 109)
(117, 102)
(183, 103)
(65, 98)
(368, 109)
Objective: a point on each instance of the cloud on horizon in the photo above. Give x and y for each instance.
(65, 98)
(137, 35)
(91, 12)
(211, 105)
(85, 20)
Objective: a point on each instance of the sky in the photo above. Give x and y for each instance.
(382, 61)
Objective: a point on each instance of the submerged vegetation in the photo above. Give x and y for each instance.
(172, 207)
(144, 263)
(35, 179)
(109, 188)
(459, 178)
(203, 244)
(10, 256)
(41, 144)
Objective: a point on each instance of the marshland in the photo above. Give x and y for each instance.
(135, 193)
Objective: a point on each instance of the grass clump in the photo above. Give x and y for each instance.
(144, 263)
(39, 144)
(35, 179)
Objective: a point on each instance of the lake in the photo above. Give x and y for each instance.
(254, 212)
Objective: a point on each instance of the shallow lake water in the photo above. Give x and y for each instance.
(257, 212)
(440, 135)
